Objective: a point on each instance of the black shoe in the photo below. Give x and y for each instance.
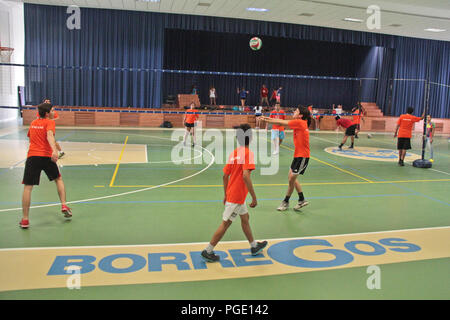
(400, 163)
(259, 247)
(340, 148)
(356, 137)
(210, 257)
(351, 147)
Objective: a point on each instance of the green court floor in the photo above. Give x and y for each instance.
(159, 202)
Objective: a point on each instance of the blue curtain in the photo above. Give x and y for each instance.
(111, 40)
(130, 39)
(219, 52)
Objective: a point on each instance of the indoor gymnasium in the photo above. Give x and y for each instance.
(217, 150)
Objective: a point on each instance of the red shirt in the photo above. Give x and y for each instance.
(344, 122)
(191, 116)
(301, 137)
(274, 94)
(239, 160)
(264, 92)
(37, 133)
(406, 123)
(278, 115)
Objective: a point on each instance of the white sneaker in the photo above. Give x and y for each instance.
(301, 204)
(275, 152)
(283, 206)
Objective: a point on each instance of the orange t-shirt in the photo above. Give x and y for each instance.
(278, 115)
(191, 116)
(239, 160)
(37, 133)
(55, 115)
(301, 137)
(357, 118)
(406, 122)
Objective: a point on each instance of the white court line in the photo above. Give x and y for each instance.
(222, 242)
(440, 171)
(128, 192)
(181, 160)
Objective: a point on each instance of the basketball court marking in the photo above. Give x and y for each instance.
(370, 153)
(128, 192)
(118, 163)
(409, 162)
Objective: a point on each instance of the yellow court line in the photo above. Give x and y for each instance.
(111, 184)
(283, 184)
(329, 164)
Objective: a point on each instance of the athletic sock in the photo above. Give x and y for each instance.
(209, 248)
(253, 244)
(300, 196)
(351, 146)
(286, 199)
(340, 146)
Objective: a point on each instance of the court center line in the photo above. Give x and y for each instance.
(118, 163)
(284, 184)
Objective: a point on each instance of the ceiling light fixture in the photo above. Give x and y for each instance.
(352, 20)
(434, 30)
(257, 9)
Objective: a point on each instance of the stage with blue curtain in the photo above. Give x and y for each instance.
(118, 58)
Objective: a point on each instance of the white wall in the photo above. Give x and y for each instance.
(11, 35)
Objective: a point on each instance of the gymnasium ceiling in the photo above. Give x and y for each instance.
(398, 17)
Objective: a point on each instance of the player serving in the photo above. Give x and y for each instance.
(300, 123)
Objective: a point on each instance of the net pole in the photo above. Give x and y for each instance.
(427, 97)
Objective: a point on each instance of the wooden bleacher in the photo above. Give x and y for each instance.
(185, 100)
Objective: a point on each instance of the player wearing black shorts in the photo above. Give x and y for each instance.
(350, 128)
(299, 124)
(42, 156)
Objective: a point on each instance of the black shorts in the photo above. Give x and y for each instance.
(33, 168)
(189, 125)
(350, 131)
(298, 165)
(404, 143)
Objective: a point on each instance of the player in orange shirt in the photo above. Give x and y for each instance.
(359, 112)
(403, 131)
(300, 123)
(55, 117)
(277, 130)
(42, 156)
(237, 184)
(189, 122)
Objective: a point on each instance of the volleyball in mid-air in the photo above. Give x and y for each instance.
(255, 43)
